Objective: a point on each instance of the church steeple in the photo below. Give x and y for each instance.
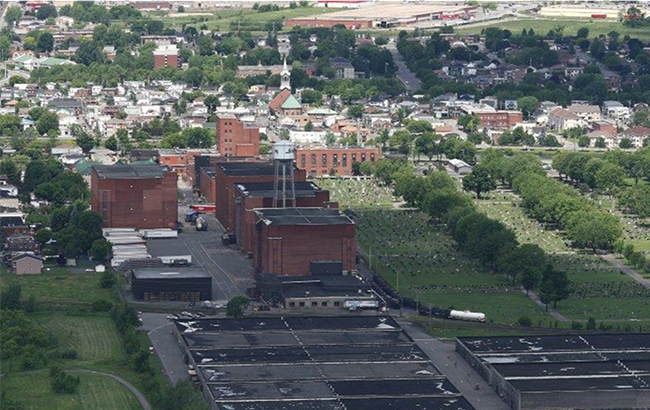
(285, 77)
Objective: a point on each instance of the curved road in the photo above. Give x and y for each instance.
(143, 400)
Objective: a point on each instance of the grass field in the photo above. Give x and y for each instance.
(571, 27)
(357, 193)
(224, 20)
(94, 338)
(59, 285)
(433, 271)
(96, 392)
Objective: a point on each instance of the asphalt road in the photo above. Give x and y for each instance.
(143, 400)
(406, 76)
(458, 371)
(231, 272)
(158, 328)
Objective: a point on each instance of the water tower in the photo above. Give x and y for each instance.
(284, 190)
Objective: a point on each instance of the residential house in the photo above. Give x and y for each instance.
(561, 119)
(26, 264)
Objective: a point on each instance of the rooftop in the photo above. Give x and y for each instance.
(124, 171)
(244, 169)
(170, 273)
(266, 189)
(314, 363)
(590, 362)
(303, 216)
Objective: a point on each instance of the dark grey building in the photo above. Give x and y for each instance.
(313, 363)
(171, 284)
(566, 372)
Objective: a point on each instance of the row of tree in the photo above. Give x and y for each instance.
(485, 239)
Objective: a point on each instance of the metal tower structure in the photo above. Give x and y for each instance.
(284, 187)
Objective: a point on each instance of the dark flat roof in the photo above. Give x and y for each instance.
(314, 363)
(266, 189)
(581, 363)
(247, 168)
(303, 216)
(167, 247)
(124, 171)
(170, 273)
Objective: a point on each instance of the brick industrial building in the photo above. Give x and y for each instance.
(252, 195)
(322, 161)
(499, 119)
(236, 138)
(227, 174)
(130, 196)
(288, 240)
(166, 56)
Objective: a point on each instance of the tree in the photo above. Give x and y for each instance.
(212, 102)
(625, 143)
(205, 46)
(583, 32)
(469, 122)
(554, 286)
(523, 264)
(236, 306)
(600, 143)
(100, 249)
(13, 14)
(107, 280)
(111, 143)
(479, 180)
(89, 52)
(583, 141)
(527, 105)
(593, 229)
(85, 141)
(45, 42)
(609, 176)
(309, 126)
(426, 144)
(10, 297)
(46, 122)
(46, 11)
(43, 236)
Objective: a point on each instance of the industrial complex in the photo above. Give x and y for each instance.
(313, 363)
(591, 371)
(386, 15)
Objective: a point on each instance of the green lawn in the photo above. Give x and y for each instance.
(248, 19)
(59, 286)
(571, 27)
(357, 193)
(94, 338)
(603, 308)
(432, 270)
(33, 391)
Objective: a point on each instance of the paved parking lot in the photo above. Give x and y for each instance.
(232, 273)
(158, 328)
